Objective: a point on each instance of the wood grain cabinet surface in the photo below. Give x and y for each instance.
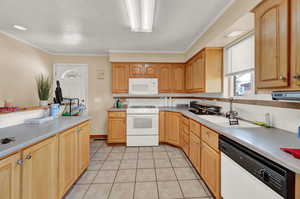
(40, 170)
(195, 149)
(83, 135)
(171, 78)
(272, 44)
(120, 75)
(162, 126)
(116, 127)
(295, 45)
(173, 128)
(10, 177)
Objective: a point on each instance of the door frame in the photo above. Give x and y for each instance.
(86, 79)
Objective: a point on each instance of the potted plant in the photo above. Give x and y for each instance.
(44, 87)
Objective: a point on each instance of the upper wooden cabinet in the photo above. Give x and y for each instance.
(272, 44)
(10, 179)
(143, 70)
(40, 170)
(204, 71)
(171, 78)
(295, 45)
(120, 75)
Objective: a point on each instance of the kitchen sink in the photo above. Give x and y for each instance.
(224, 122)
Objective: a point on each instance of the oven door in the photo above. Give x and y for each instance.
(142, 124)
(142, 86)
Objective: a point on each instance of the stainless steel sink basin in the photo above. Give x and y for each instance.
(224, 122)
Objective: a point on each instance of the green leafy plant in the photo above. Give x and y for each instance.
(43, 86)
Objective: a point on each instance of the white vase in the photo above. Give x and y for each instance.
(43, 102)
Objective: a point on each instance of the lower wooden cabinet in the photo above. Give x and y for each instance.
(83, 141)
(162, 131)
(173, 128)
(116, 127)
(210, 168)
(10, 177)
(195, 149)
(40, 170)
(67, 160)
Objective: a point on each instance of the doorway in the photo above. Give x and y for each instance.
(73, 80)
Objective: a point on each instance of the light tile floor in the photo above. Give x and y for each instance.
(121, 172)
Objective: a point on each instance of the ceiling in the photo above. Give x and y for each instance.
(100, 26)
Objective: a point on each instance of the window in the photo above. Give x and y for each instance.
(239, 67)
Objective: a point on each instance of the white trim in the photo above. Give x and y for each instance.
(86, 80)
(82, 54)
(146, 51)
(25, 42)
(207, 28)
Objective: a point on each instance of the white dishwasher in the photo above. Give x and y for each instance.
(247, 175)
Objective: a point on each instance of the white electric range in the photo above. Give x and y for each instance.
(142, 126)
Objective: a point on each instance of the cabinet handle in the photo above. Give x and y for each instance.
(281, 77)
(296, 76)
(28, 157)
(20, 162)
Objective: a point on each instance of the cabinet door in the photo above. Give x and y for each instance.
(198, 74)
(40, 170)
(116, 130)
(137, 70)
(177, 78)
(164, 84)
(67, 160)
(271, 47)
(83, 147)
(295, 50)
(188, 77)
(10, 177)
(195, 149)
(210, 168)
(120, 74)
(173, 128)
(151, 70)
(161, 126)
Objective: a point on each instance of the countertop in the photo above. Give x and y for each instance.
(266, 142)
(28, 134)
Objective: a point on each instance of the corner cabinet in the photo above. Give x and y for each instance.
(10, 177)
(173, 128)
(120, 75)
(116, 127)
(204, 71)
(272, 44)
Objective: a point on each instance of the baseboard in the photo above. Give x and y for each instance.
(100, 137)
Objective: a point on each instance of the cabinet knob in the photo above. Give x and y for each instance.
(20, 162)
(28, 157)
(296, 76)
(281, 77)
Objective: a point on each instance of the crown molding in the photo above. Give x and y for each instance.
(146, 51)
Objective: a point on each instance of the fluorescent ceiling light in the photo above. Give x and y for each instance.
(235, 33)
(141, 14)
(20, 27)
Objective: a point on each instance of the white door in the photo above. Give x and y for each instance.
(73, 80)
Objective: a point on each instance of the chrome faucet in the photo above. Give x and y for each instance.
(231, 114)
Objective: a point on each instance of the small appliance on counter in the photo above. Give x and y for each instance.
(204, 109)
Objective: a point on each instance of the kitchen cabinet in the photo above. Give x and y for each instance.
(83, 135)
(195, 149)
(171, 78)
(10, 177)
(162, 131)
(67, 160)
(210, 137)
(295, 45)
(143, 70)
(173, 128)
(117, 127)
(210, 168)
(185, 135)
(120, 75)
(272, 44)
(40, 170)
(204, 71)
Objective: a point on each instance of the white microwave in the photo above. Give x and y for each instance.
(143, 86)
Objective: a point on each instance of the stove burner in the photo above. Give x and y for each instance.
(7, 140)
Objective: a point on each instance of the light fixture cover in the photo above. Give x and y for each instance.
(20, 27)
(235, 33)
(141, 14)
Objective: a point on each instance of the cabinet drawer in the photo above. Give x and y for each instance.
(195, 128)
(210, 137)
(117, 114)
